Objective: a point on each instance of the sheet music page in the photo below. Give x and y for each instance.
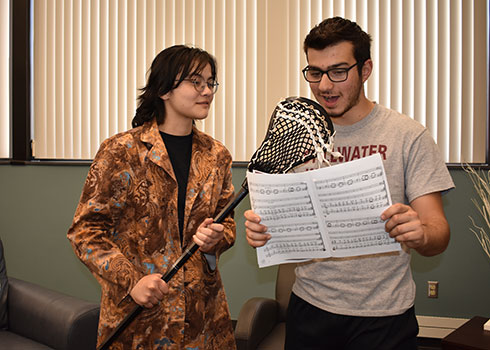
(332, 211)
(286, 207)
(353, 195)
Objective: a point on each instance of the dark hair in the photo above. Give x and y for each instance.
(162, 78)
(334, 30)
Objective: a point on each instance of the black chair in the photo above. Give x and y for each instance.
(36, 318)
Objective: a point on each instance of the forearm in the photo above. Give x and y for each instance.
(436, 240)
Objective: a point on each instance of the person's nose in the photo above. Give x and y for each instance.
(325, 83)
(207, 90)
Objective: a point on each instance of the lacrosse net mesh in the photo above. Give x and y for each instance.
(299, 131)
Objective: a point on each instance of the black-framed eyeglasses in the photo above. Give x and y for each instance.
(336, 75)
(200, 84)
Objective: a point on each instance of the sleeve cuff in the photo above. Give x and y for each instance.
(211, 259)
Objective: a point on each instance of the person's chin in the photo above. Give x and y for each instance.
(201, 113)
(201, 116)
(334, 111)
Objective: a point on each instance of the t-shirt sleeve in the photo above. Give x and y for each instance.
(425, 172)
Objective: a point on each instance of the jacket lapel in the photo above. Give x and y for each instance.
(200, 169)
(157, 153)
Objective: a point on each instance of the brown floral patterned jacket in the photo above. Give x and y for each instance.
(126, 226)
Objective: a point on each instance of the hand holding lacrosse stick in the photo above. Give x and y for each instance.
(299, 131)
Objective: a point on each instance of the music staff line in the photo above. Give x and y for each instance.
(354, 191)
(351, 178)
(364, 220)
(293, 200)
(280, 188)
(303, 241)
(294, 227)
(381, 242)
(353, 202)
(288, 247)
(282, 210)
(329, 210)
(357, 234)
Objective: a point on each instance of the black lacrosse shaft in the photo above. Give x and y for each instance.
(176, 266)
(218, 219)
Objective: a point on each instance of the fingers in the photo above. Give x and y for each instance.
(149, 290)
(251, 216)
(252, 222)
(394, 209)
(208, 235)
(257, 239)
(256, 233)
(206, 222)
(403, 224)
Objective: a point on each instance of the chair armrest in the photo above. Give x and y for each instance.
(54, 319)
(256, 319)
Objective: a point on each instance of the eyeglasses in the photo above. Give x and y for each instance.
(200, 84)
(336, 75)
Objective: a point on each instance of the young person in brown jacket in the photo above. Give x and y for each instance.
(151, 192)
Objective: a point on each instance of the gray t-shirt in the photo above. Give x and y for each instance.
(379, 284)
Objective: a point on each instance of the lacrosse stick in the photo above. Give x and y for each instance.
(299, 131)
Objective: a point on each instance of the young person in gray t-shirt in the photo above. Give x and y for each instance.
(365, 302)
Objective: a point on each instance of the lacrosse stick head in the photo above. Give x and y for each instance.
(299, 130)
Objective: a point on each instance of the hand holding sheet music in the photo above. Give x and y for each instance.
(329, 212)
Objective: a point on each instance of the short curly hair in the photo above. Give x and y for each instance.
(335, 30)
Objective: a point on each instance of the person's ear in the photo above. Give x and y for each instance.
(366, 70)
(166, 96)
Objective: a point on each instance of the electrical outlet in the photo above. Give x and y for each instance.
(432, 289)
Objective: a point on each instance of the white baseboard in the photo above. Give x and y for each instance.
(438, 327)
